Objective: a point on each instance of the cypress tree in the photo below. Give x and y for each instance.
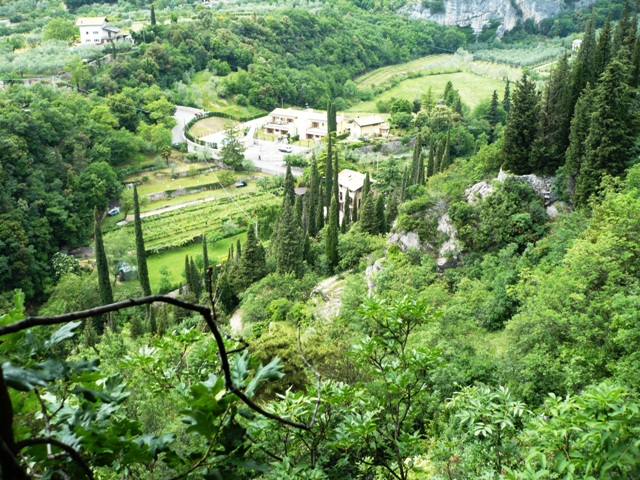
(493, 115)
(205, 261)
(226, 297)
(603, 48)
(437, 161)
(331, 240)
(417, 150)
(320, 210)
(392, 210)
(153, 15)
(405, 181)
(238, 250)
(368, 218)
(288, 242)
(104, 283)
(578, 137)
(548, 151)
(354, 211)
(380, 215)
(252, 266)
(153, 324)
(457, 105)
(187, 274)
(289, 187)
(328, 180)
(611, 133)
(430, 163)
(420, 179)
(195, 279)
(522, 127)
(310, 199)
(336, 187)
(141, 255)
(297, 207)
(445, 159)
(366, 186)
(506, 99)
(346, 217)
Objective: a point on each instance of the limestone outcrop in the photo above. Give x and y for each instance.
(478, 13)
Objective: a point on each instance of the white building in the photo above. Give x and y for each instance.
(575, 45)
(370, 126)
(307, 124)
(95, 30)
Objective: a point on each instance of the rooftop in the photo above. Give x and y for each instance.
(351, 180)
(370, 120)
(90, 21)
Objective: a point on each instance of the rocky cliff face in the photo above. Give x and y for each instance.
(478, 13)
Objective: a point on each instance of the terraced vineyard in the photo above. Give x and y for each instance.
(181, 227)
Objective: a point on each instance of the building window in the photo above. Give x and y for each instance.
(96, 32)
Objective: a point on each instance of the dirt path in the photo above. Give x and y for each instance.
(169, 209)
(326, 296)
(235, 322)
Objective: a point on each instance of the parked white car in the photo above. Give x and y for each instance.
(113, 211)
(285, 148)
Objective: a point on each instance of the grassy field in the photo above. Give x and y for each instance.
(210, 125)
(472, 88)
(174, 259)
(430, 63)
(202, 83)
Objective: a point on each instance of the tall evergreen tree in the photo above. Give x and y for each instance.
(368, 217)
(392, 210)
(445, 159)
(346, 216)
(405, 184)
(205, 264)
(603, 48)
(506, 99)
(196, 279)
(548, 151)
(380, 214)
(104, 283)
(584, 69)
(624, 36)
(226, 297)
(288, 242)
(331, 240)
(336, 187)
(238, 250)
(310, 199)
(252, 266)
(328, 174)
(354, 211)
(289, 187)
(153, 15)
(366, 186)
(430, 162)
(320, 210)
(493, 115)
(578, 137)
(297, 209)
(136, 328)
(612, 130)
(522, 127)
(437, 161)
(417, 150)
(141, 255)
(420, 179)
(635, 64)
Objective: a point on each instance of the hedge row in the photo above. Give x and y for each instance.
(191, 122)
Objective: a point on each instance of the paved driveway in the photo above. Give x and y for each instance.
(182, 116)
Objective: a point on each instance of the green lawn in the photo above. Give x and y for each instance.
(210, 125)
(429, 63)
(472, 88)
(174, 259)
(160, 181)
